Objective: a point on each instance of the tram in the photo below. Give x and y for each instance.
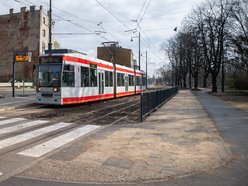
(69, 77)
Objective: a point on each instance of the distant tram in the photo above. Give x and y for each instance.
(69, 77)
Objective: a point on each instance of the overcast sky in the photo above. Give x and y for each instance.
(111, 18)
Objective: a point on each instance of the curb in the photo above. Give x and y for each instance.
(19, 106)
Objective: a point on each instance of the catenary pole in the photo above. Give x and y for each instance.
(50, 27)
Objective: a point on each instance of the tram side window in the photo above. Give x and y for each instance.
(108, 79)
(143, 80)
(131, 83)
(93, 77)
(68, 76)
(137, 81)
(85, 77)
(120, 79)
(111, 79)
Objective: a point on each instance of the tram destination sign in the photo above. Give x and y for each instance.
(22, 56)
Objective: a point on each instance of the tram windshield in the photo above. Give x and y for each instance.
(49, 75)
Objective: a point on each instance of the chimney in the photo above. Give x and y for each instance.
(32, 8)
(41, 8)
(11, 11)
(23, 9)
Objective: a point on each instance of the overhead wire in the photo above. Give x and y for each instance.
(69, 13)
(18, 1)
(76, 24)
(99, 34)
(144, 12)
(141, 10)
(112, 14)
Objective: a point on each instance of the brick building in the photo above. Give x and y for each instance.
(116, 54)
(25, 30)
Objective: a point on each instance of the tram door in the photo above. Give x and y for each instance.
(101, 82)
(126, 83)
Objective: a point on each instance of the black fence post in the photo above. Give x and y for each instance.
(141, 107)
(150, 101)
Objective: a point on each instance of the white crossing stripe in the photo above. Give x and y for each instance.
(29, 135)
(7, 121)
(1, 117)
(21, 126)
(57, 142)
(1, 173)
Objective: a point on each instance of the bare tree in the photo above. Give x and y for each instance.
(211, 20)
(238, 35)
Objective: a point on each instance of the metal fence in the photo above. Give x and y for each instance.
(150, 101)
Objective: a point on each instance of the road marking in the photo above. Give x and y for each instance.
(1, 173)
(7, 121)
(29, 135)
(57, 142)
(22, 126)
(1, 117)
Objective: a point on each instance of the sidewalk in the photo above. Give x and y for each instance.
(178, 140)
(21, 99)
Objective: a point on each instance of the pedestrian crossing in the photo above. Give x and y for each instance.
(8, 121)
(21, 126)
(55, 143)
(29, 135)
(29, 130)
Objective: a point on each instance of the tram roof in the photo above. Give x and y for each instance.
(62, 51)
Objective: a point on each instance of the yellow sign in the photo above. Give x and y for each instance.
(21, 58)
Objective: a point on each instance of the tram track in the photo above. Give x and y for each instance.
(108, 110)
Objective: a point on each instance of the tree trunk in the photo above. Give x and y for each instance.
(205, 78)
(184, 83)
(214, 83)
(196, 81)
(205, 82)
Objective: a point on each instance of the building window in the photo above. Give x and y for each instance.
(44, 32)
(43, 47)
(44, 20)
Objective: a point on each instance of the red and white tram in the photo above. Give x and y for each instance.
(69, 77)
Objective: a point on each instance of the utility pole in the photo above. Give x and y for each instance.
(222, 68)
(50, 27)
(13, 74)
(146, 69)
(139, 50)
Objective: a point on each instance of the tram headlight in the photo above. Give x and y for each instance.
(38, 89)
(56, 89)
